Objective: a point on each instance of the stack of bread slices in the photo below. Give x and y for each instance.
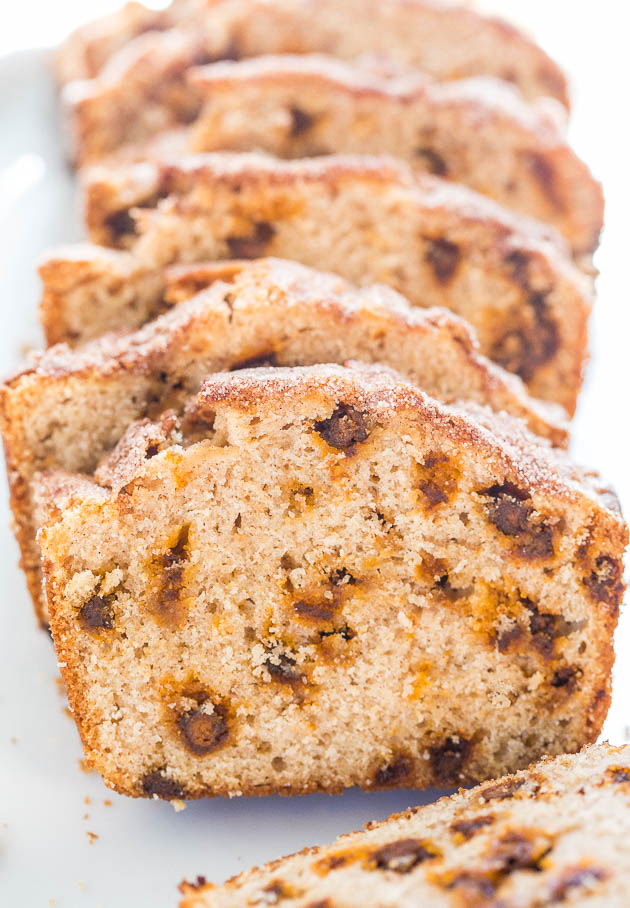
(290, 482)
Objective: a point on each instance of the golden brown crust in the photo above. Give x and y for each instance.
(378, 390)
(184, 281)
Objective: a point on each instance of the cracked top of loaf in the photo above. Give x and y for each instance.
(380, 391)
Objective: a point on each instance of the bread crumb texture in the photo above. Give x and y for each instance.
(369, 219)
(449, 43)
(479, 132)
(321, 577)
(66, 409)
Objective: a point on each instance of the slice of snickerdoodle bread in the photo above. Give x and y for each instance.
(478, 132)
(555, 834)
(66, 409)
(449, 41)
(322, 577)
(368, 219)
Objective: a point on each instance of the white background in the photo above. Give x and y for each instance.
(144, 848)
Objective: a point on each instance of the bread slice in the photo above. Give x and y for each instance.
(556, 834)
(89, 290)
(368, 219)
(478, 131)
(87, 49)
(66, 409)
(321, 577)
(446, 40)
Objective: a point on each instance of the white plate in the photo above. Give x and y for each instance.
(48, 806)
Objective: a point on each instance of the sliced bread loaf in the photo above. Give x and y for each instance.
(478, 132)
(368, 219)
(67, 409)
(321, 577)
(446, 40)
